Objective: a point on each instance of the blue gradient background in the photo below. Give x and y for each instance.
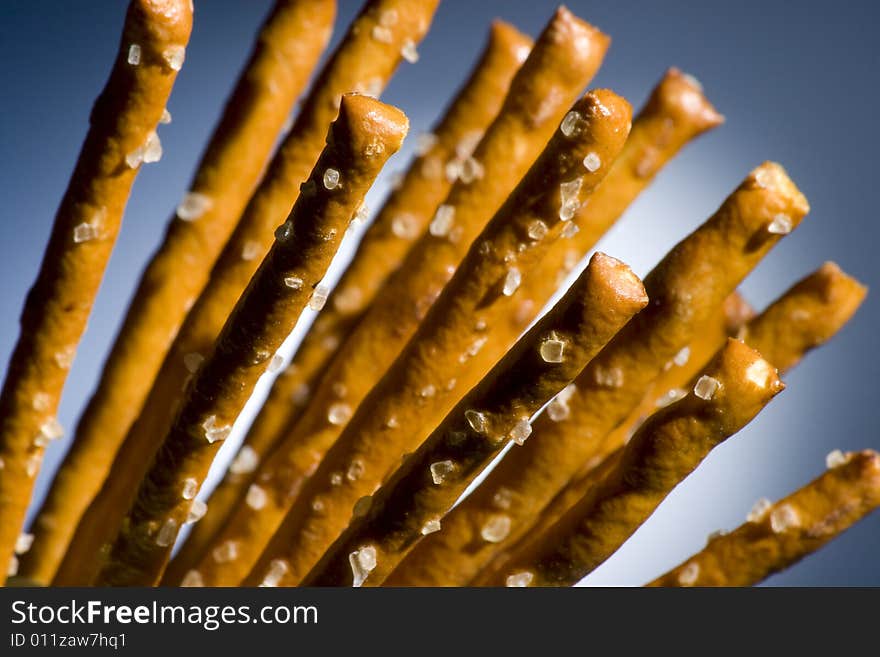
(797, 83)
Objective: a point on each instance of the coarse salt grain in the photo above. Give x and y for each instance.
(759, 510)
(511, 282)
(246, 461)
(440, 470)
(174, 56)
(293, 282)
(363, 561)
(521, 431)
(193, 206)
(552, 348)
(519, 580)
(338, 414)
(706, 387)
(430, 527)
(134, 54)
(193, 578)
(408, 51)
(167, 533)
(256, 497)
(197, 511)
(781, 224)
(190, 488)
(442, 221)
(688, 575)
(592, 162)
(496, 528)
(783, 518)
(319, 297)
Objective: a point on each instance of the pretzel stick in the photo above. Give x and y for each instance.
(290, 42)
(121, 134)
(404, 217)
(359, 57)
(482, 290)
(359, 142)
(539, 365)
(564, 58)
(787, 531)
(685, 288)
(733, 388)
(806, 316)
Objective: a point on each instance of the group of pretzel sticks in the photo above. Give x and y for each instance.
(416, 373)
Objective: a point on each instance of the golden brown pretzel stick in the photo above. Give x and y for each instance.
(733, 388)
(806, 316)
(482, 291)
(365, 134)
(538, 366)
(121, 136)
(675, 113)
(359, 57)
(685, 288)
(288, 47)
(403, 218)
(564, 58)
(787, 531)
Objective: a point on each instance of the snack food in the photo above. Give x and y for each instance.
(287, 48)
(361, 139)
(122, 135)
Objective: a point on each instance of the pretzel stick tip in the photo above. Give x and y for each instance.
(539, 365)
(365, 134)
(121, 136)
(734, 387)
(779, 535)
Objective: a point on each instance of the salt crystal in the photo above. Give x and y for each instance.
(331, 179)
(192, 362)
(84, 232)
(167, 533)
(275, 364)
(251, 250)
(165, 119)
(570, 230)
(362, 561)
(319, 297)
(293, 282)
(245, 461)
(670, 397)
(41, 401)
(355, 470)
(338, 414)
(428, 391)
(347, 300)
(759, 510)
(558, 410)
(474, 347)
(388, 17)
(190, 488)
(537, 229)
(835, 459)
(256, 497)
(214, 433)
(521, 579)
(23, 543)
(592, 162)
(336, 479)
(51, 429)
(134, 54)
(382, 34)
(12, 569)
(608, 377)
(318, 505)
(64, 358)
(783, 518)
(568, 198)
(405, 226)
(193, 206)
(706, 387)
(152, 149)
(468, 143)
(682, 357)
(225, 552)
(174, 56)
(32, 465)
(521, 431)
(277, 569)
(362, 506)
(511, 282)
(193, 578)
(408, 51)
(135, 157)
(471, 170)
(496, 528)
(440, 470)
(442, 221)
(392, 423)
(780, 225)
(197, 511)
(425, 142)
(430, 527)
(759, 372)
(552, 348)
(477, 420)
(688, 575)
(503, 498)
(573, 124)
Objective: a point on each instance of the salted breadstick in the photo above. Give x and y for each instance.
(733, 388)
(417, 386)
(402, 219)
(365, 134)
(288, 47)
(121, 136)
(685, 288)
(538, 366)
(359, 58)
(676, 112)
(806, 316)
(784, 533)
(564, 58)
